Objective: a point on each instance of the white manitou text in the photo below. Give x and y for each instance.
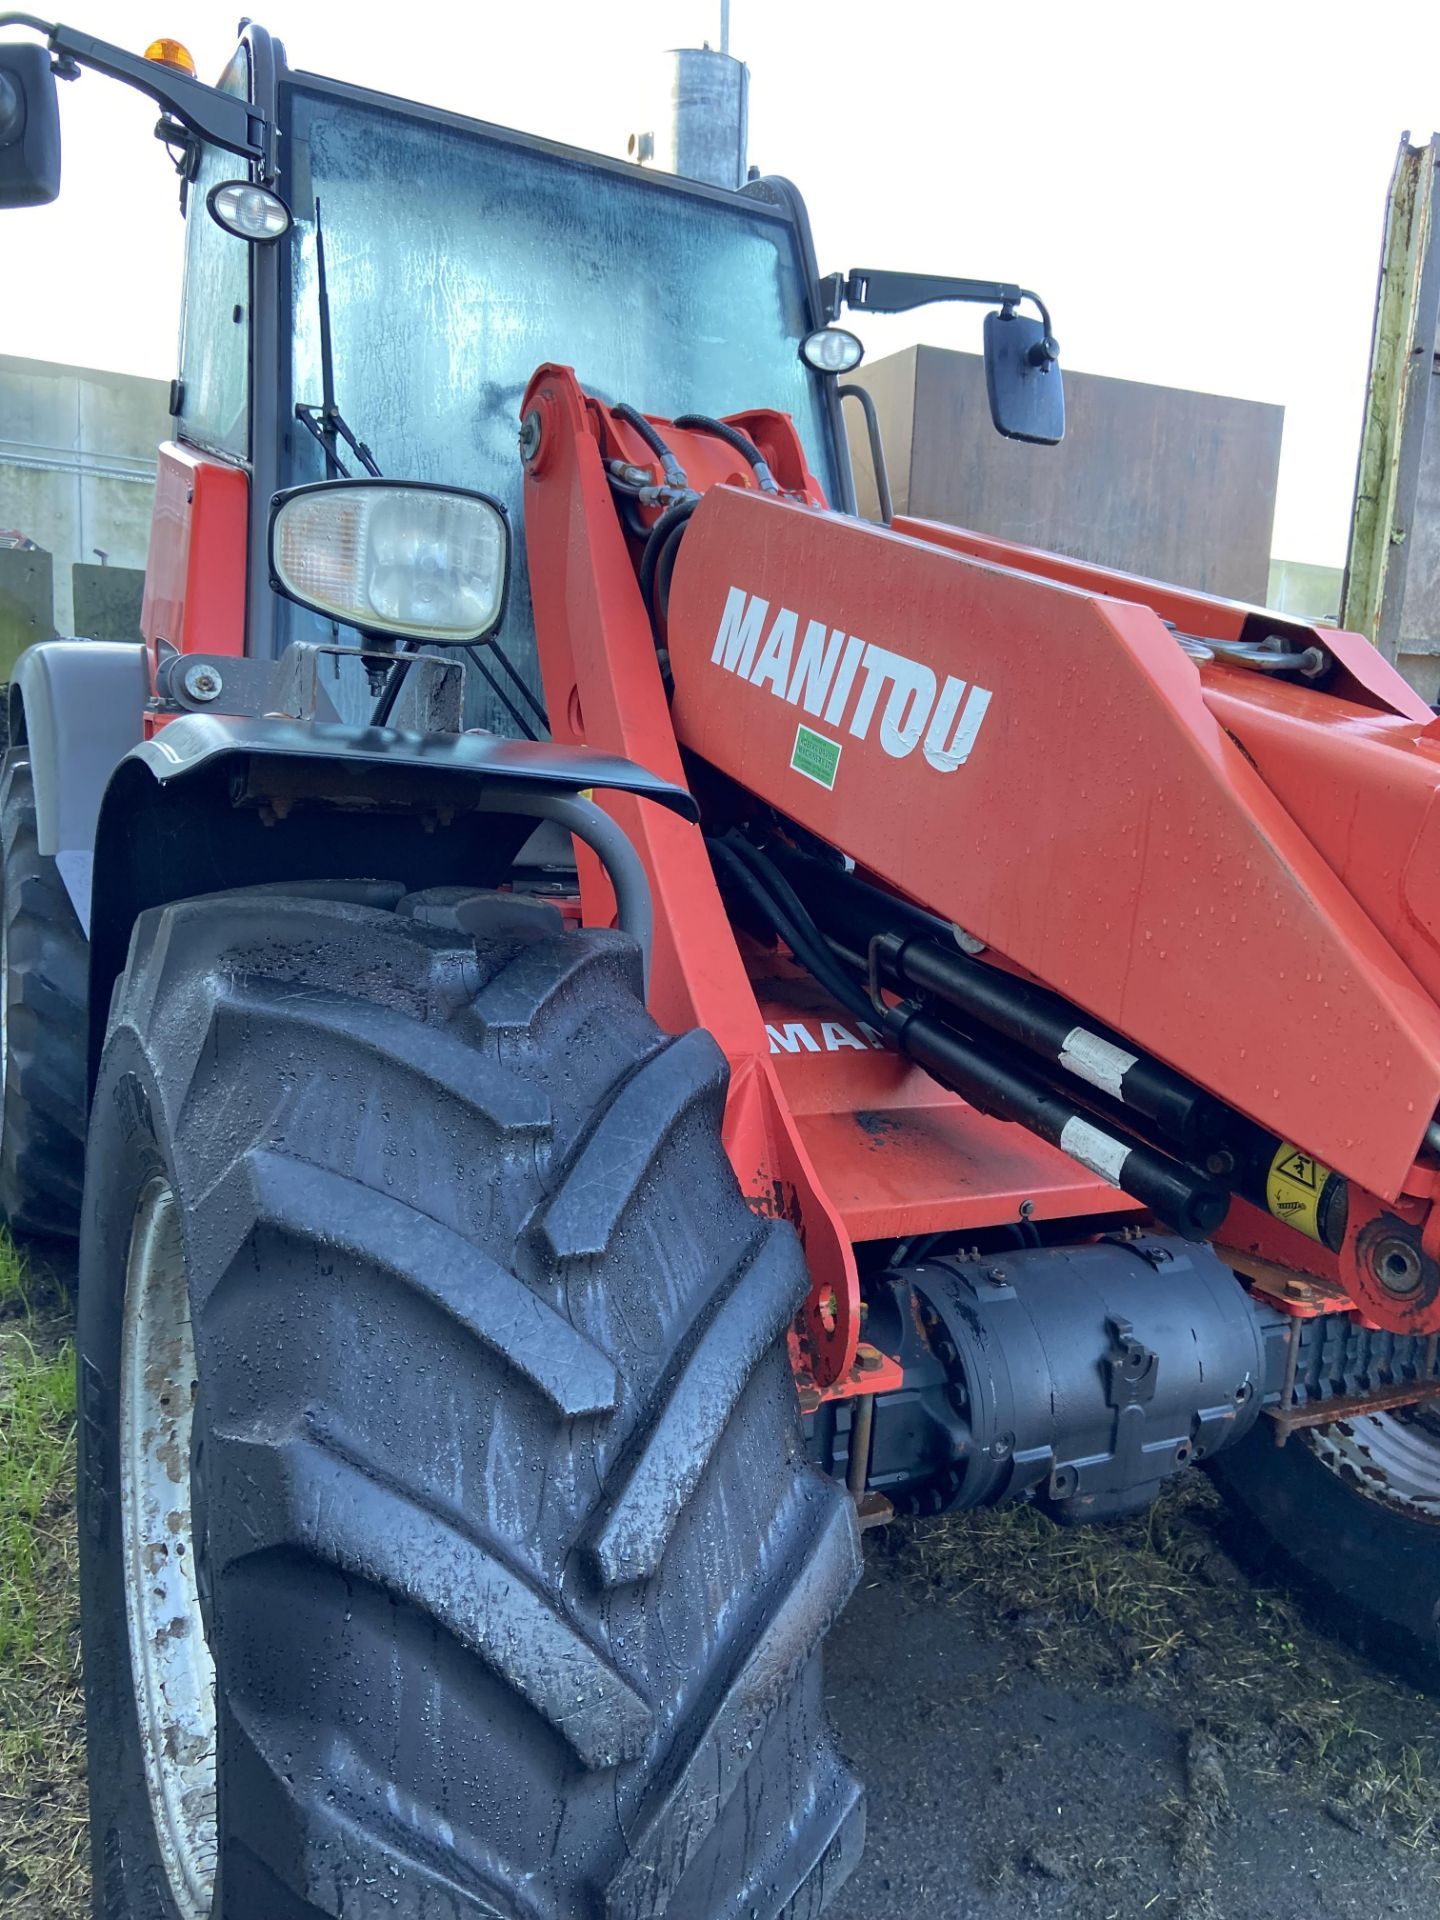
(833, 674)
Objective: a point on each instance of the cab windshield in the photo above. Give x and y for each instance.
(456, 263)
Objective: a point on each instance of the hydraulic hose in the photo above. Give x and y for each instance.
(626, 499)
(674, 472)
(917, 951)
(634, 911)
(1129, 1095)
(673, 516)
(1179, 1195)
(664, 572)
(780, 889)
(802, 938)
(734, 438)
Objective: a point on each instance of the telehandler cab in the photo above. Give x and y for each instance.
(563, 935)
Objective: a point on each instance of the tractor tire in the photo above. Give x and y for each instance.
(1350, 1514)
(44, 984)
(448, 1545)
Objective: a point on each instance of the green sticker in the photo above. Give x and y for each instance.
(815, 756)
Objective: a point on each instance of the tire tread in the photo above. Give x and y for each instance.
(614, 1559)
(42, 1134)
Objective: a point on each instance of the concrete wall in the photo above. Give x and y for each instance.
(77, 465)
(1306, 589)
(1155, 480)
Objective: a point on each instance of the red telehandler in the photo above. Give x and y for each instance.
(631, 1023)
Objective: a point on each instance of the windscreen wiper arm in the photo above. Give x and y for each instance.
(326, 421)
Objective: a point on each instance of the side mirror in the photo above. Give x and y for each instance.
(1022, 376)
(29, 126)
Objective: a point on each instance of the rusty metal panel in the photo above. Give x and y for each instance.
(1153, 480)
(107, 601)
(27, 602)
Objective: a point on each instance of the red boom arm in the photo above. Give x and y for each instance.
(1232, 872)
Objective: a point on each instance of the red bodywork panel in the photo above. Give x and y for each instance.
(1233, 873)
(1365, 785)
(195, 573)
(1102, 832)
(899, 1153)
(1357, 764)
(1368, 677)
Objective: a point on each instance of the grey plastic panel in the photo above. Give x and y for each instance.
(83, 703)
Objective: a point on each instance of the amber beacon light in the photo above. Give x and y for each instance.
(170, 53)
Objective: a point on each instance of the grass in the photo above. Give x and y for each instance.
(43, 1841)
(1156, 1607)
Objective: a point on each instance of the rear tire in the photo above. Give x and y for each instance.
(1351, 1514)
(44, 982)
(504, 1544)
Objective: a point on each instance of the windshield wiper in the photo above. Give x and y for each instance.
(326, 421)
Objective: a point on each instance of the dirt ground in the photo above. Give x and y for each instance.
(1119, 1725)
(1099, 1724)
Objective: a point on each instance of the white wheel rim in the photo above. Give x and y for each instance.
(1388, 1457)
(171, 1670)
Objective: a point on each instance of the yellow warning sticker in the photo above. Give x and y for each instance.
(1293, 1187)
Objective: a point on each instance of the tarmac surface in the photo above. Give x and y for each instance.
(999, 1787)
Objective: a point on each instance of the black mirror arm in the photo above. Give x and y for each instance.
(871, 290)
(222, 119)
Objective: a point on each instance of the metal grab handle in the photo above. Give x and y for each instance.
(877, 447)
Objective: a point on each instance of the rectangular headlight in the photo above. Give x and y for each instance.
(395, 557)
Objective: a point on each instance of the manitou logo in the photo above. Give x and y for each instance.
(795, 1036)
(820, 670)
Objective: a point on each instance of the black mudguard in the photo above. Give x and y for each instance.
(213, 802)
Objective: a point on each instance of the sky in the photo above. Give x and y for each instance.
(1197, 192)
